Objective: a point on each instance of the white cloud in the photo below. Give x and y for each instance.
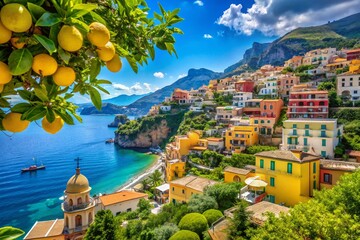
(277, 17)
(136, 87)
(207, 36)
(120, 87)
(147, 86)
(159, 75)
(199, 3)
(182, 75)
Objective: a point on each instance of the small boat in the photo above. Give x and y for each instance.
(34, 167)
(110, 140)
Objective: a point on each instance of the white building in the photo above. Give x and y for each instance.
(240, 98)
(165, 108)
(319, 136)
(270, 87)
(123, 201)
(319, 56)
(348, 86)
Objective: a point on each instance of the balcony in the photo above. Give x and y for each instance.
(75, 230)
(298, 147)
(270, 172)
(66, 207)
(252, 196)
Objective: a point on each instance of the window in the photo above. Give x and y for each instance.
(294, 125)
(173, 189)
(314, 184)
(271, 198)
(351, 84)
(294, 132)
(327, 178)
(314, 167)
(306, 126)
(323, 153)
(268, 121)
(289, 168)
(264, 107)
(343, 84)
(256, 121)
(272, 165)
(305, 142)
(307, 133)
(323, 142)
(323, 134)
(183, 191)
(323, 126)
(355, 91)
(289, 141)
(272, 182)
(271, 107)
(262, 121)
(261, 163)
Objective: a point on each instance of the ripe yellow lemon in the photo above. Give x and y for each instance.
(70, 38)
(5, 34)
(16, 17)
(16, 43)
(12, 122)
(64, 76)
(53, 127)
(5, 75)
(44, 64)
(115, 64)
(98, 35)
(107, 52)
(1, 87)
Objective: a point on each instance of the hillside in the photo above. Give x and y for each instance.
(123, 99)
(343, 33)
(107, 108)
(195, 79)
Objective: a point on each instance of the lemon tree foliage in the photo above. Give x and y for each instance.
(53, 49)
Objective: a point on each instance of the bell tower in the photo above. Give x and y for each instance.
(78, 206)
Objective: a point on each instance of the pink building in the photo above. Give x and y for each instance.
(285, 83)
(244, 86)
(308, 104)
(353, 54)
(180, 96)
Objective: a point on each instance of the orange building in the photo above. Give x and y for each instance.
(180, 96)
(331, 171)
(271, 108)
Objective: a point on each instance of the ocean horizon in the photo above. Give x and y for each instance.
(37, 196)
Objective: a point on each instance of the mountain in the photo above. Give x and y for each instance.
(195, 79)
(341, 33)
(107, 108)
(124, 100)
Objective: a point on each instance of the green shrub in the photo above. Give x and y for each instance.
(200, 203)
(185, 235)
(195, 222)
(164, 232)
(212, 215)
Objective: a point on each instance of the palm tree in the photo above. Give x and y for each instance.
(145, 183)
(155, 178)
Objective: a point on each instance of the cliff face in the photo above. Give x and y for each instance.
(119, 119)
(150, 138)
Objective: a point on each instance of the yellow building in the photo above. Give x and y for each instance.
(233, 174)
(182, 189)
(238, 138)
(175, 168)
(78, 208)
(291, 177)
(331, 171)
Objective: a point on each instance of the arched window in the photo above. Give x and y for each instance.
(271, 107)
(71, 202)
(79, 200)
(90, 218)
(78, 221)
(236, 179)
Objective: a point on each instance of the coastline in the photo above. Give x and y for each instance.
(129, 184)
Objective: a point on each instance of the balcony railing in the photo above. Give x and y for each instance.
(68, 208)
(269, 171)
(74, 230)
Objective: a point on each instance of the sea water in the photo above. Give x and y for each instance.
(37, 196)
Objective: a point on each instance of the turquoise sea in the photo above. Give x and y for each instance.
(29, 197)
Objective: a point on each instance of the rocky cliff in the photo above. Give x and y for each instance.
(118, 120)
(149, 131)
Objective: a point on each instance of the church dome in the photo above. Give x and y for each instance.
(77, 184)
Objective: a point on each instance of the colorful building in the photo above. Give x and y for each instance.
(174, 169)
(239, 98)
(348, 84)
(331, 171)
(237, 138)
(224, 114)
(308, 104)
(244, 86)
(294, 62)
(319, 56)
(182, 189)
(285, 83)
(233, 174)
(353, 54)
(78, 208)
(269, 87)
(291, 177)
(263, 108)
(319, 136)
(180, 96)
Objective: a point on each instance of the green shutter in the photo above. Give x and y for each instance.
(314, 167)
(272, 165)
(323, 141)
(272, 182)
(261, 163)
(289, 168)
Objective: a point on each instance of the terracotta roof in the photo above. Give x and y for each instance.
(353, 153)
(353, 50)
(236, 170)
(44, 229)
(257, 211)
(339, 165)
(121, 196)
(194, 182)
(213, 139)
(288, 155)
(198, 148)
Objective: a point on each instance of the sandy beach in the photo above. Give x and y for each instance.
(138, 178)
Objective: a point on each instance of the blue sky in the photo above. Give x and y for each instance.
(217, 33)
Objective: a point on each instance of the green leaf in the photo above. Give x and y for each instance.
(8, 233)
(80, 10)
(65, 116)
(34, 113)
(48, 19)
(103, 81)
(21, 107)
(77, 117)
(95, 98)
(151, 50)
(50, 115)
(102, 89)
(54, 31)
(20, 61)
(132, 63)
(4, 54)
(65, 56)
(95, 68)
(4, 103)
(48, 44)
(26, 95)
(158, 16)
(80, 25)
(24, 2)
(41, 94)
(97, 18)
(35, 10)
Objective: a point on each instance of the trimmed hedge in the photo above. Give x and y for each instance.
(195, 222)
(212, 215)
(185, 235)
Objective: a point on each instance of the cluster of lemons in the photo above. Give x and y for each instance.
(15, 18)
